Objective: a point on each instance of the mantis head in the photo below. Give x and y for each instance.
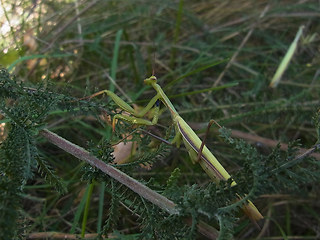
(151, 80)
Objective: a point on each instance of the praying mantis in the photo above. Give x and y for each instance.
(198, 152)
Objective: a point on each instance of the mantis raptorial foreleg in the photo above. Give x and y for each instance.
(137, 115)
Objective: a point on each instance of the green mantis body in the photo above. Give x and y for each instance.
(183, 131)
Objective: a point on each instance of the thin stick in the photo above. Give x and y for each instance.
(298, 159)
(244, 41)
(269, 142)
(126, 180)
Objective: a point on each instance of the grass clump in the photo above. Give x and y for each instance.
(62, 51)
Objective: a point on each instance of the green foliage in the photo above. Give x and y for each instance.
(50, 177)
(26, 109)
(316, 120)
(172, 181)
(18, 151)
(278, 172)
(14, 173)
(114, 213)
(150, 158)
(79, 45)
(102, 151)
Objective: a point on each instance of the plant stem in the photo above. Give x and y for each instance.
(86, 210)
(145, 192)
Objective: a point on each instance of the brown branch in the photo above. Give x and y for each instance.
(271, 143)
(145, 192)
(207, 231)
(60, 235)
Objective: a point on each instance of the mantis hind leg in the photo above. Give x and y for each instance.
(205, 138)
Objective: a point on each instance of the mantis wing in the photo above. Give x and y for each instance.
(209, 162)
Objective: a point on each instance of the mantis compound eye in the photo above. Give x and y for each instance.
(151, 80)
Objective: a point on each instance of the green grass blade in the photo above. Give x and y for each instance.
(114, 63)
(204, 90)
(283, 234)
(86, 209)
(228, 85)
(286, 60)
(5, 120)
(79, 211)
(194, 72)
(100, 211)
(36, 56)
(176, 33)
